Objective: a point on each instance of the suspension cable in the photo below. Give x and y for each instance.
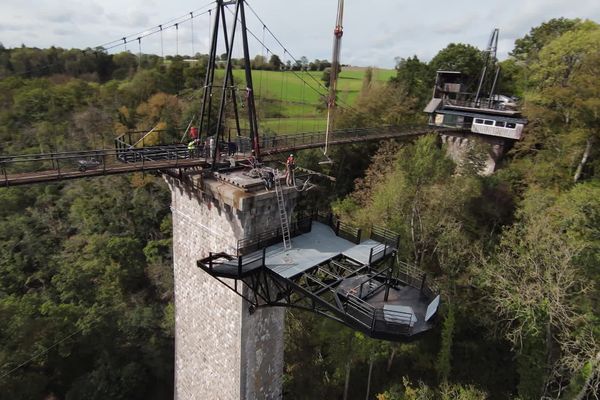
(319, 83)
(158, 29)
(343, 105)
(166, 23)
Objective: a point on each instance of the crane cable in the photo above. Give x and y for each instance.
(335, 60)
(344, 105)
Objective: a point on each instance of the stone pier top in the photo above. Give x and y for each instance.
(236, 188)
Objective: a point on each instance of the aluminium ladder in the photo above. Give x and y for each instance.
(283, 217)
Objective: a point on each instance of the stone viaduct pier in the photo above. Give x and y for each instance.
(222, 351)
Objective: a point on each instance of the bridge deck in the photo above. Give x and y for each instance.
(26, 178)
(39, 168)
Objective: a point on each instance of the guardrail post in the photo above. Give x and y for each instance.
(370, 255)
(264, 257)
(210, 266)
(423, 282)
(373, 318)
(337, 228)
(240, 267)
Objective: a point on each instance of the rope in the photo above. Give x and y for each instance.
(341, 104)
(281, 96)
(319, 83)
(300, 121)
(209, 24)
(285, 50)
(36, 355)
(187, 129)
(162, 47)
(285, 94)
(192, 23)
(193, 222)
(176, 39)
(139, 52)
(260, 93)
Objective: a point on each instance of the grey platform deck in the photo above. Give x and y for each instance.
(409, 297)
(406, 299)
(313, 248)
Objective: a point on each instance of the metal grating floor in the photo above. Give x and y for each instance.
(314, 248)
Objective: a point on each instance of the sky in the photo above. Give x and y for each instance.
(375, 32)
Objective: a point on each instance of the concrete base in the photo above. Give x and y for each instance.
(221, 350)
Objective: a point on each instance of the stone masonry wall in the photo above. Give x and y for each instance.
(458, 145)
(221, 350)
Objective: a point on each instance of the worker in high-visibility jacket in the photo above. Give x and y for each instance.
(193, 148)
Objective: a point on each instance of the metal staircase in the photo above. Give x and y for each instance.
(283, 217)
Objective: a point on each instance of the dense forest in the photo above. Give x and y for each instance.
(85, 270)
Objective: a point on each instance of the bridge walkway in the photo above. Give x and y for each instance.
(47, 167)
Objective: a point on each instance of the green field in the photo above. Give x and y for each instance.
(287, 101)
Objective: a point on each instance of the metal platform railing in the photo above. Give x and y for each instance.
(385, 236)
(226, 266)
(273, 236)
(341, 229)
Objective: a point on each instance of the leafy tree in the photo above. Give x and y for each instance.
(259, 62)
(275, 62)
(527, 48)
(459, 57)
(125, 65)
(536, 283)
(415, 77)
(563, 105)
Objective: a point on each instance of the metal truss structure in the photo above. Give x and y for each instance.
(340, 288)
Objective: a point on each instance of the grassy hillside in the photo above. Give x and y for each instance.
(287, 101)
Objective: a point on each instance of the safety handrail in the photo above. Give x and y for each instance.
(273, 236)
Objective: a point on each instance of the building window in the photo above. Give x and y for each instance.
(489, 122)
(511, 125)
(479, 121)
(501, 124)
